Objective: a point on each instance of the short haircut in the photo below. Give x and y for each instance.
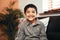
(30, 6)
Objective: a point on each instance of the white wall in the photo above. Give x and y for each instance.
(47, 4)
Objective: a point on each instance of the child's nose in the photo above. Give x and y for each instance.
(31, 13)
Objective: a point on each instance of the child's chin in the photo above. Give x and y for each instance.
(30, 19)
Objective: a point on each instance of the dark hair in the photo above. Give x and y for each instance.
(30, 6)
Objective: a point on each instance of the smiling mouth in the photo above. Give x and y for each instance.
(31, 16)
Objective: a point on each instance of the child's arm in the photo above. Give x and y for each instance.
(20, 34)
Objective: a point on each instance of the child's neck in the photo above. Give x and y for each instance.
(33, 21)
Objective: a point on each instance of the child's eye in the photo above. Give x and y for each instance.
(33, 11)
(28, 11)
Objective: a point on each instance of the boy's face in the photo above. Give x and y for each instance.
(30, 14)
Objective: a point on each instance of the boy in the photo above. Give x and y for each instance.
(31, 28)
